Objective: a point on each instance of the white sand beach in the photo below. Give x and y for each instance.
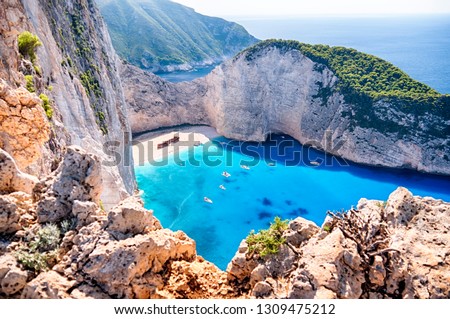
(149, 146)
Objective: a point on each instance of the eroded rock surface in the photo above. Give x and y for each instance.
(396, 249)
(24, 127)
(277, 90)
(12, 179)
(77, 178)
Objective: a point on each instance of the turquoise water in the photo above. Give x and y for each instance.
(280, 182)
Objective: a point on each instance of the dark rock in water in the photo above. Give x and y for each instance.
(266, 202)
(300, 211)
(264, 215)
(288, 202)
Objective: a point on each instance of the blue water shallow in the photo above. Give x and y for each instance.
(281, 181)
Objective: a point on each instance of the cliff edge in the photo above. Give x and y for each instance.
(72, 76)
(303, 91)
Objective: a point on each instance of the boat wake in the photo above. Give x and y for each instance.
(179, 209)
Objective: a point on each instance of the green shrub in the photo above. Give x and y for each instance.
(28, 43)
(47, 238)
(42, 251)
(67, 225)
(46, 105)
(363, 78)
(37, 69)
(30, 83)
(100, 204)
(36, 261)
(268, 241)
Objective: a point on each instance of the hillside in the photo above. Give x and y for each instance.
(316, 94)
(160, 35)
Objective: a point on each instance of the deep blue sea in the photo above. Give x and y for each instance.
(280, 181)
(419, 45)
(284, 183)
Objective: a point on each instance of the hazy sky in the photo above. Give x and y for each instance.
(252, 8)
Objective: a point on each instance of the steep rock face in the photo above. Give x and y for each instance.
(77, 69)
(283, 91)
(396, 249)
(155, 103)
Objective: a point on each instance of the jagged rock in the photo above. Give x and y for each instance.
(14, 281)
(9, 217)
(377, 272)
(115, 265)
(395, 249)
(14, 212)
(260, 273)
(300, 230)
(240, 267)
(48, 285)
(24, 127)
(86, 291)
(325, 260)
(197, 279)
(77, 178)
(12, 278)
(130, 217)
(86, 213)
(11, 178)
(262, 289)
(422, 235)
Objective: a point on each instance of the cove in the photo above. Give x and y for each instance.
(277, 178)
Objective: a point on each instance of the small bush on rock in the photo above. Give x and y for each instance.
(268, 241)
(42, 251)
(28, 42)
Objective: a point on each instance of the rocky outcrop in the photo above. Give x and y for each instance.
(61, 243)
(277, 90)
(76, 67)
(16, 212)
(11, 178)
(23, 125)
(155, 103)
(393, 249)
(12, 278)
(78, 178)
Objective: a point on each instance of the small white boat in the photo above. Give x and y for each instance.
(226, 174)
(271, 164)
(222, 187)
(314, 163)
(206, 199)
(245, 167)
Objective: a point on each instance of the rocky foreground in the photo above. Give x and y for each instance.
(58, 242)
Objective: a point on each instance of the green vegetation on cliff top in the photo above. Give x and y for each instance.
(158, 33)
(364, 78)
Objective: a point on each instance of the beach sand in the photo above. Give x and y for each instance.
(145, 146)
